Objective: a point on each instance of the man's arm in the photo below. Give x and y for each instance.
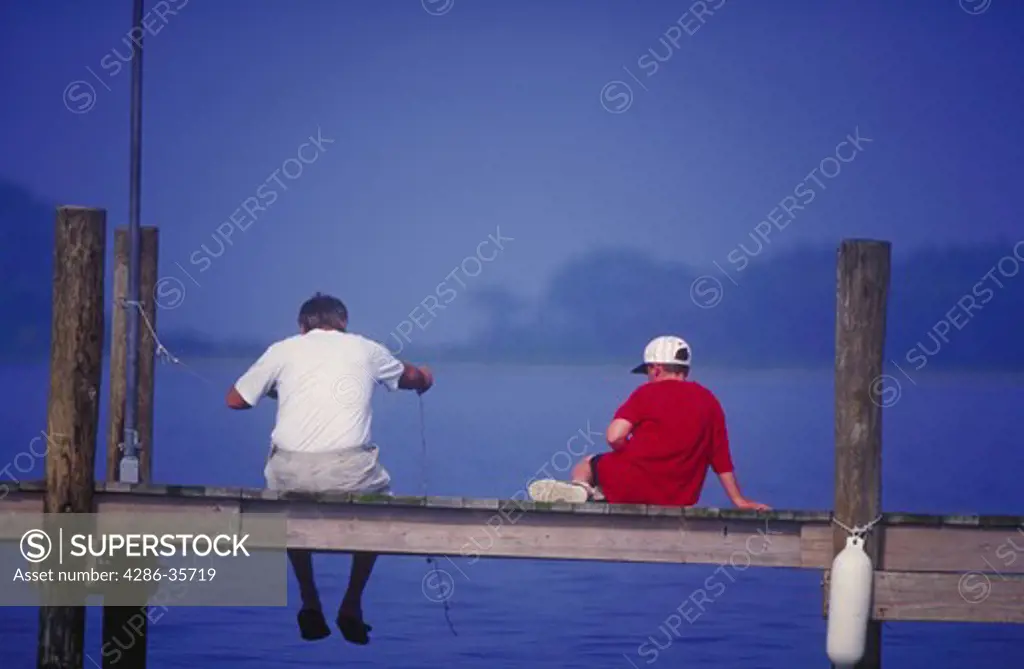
(236, 401)
(394, 374)
(258, 380)
(415, 378)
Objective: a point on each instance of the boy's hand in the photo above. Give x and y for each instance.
(743, 503)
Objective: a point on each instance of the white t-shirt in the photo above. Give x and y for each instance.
(324, 381)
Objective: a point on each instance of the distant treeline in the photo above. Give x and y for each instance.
(949, 307)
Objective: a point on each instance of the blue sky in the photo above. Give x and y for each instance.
(449, 127)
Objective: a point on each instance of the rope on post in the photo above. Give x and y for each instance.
(162, 353)
(859, 531)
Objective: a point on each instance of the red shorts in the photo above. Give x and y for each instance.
(595, 479)
(621, 482)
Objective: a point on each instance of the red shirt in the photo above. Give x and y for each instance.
(678, 432)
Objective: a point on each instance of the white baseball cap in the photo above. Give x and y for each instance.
(665, 350)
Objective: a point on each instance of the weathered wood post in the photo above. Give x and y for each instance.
(125, 627)
(863, 285)
(72, 414)
(147, 348)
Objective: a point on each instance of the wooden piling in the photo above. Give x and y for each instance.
(147, 348)
(863, 284)
(76, 358)
(125, 627)
(148, 273)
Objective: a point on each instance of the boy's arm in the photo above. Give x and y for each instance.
(732, 489)
(721, 463)
(626, 416)
(618, 433)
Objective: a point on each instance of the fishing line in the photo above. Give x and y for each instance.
(430, 559)
(161, 352)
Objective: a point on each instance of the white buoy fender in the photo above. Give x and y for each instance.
(849, 603)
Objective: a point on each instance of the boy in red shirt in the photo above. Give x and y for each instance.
(663, 439)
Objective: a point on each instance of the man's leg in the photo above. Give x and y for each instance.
(302, 565)
(362, 567)
(370, 477)
(311, 618)
(350, 614)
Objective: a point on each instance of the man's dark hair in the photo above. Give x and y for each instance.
(323, 312)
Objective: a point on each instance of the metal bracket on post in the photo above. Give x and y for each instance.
(129, 466)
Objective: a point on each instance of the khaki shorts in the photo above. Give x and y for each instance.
(348, 470)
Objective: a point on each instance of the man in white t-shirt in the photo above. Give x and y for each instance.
(323, 380)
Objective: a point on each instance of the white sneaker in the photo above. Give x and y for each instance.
(549, 490)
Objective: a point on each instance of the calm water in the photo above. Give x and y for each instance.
(952, 445)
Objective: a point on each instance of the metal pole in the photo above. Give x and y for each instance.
(129, 469)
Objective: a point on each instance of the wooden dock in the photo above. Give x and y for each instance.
(927, 567)
(938, 568)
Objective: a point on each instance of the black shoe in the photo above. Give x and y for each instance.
(313, 625)
(354, 629)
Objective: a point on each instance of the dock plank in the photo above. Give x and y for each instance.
(970, 597)
(454, 526)
(933, 548)
(516, 534)
(937, 568)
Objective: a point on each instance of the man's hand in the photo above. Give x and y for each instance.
(744, 503)
(416, 378)
(428, 380)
